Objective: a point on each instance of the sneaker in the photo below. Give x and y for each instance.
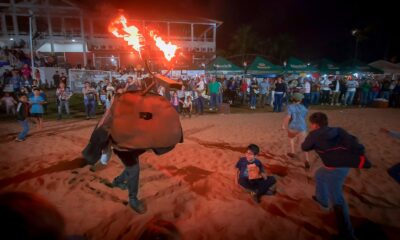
(270, 192)
(19, 140)
(97, 167)
(210, 109)
(120, 185)
(137, 206)
(255, 197)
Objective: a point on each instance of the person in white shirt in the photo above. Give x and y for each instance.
(9, 103)
(326, 90)
(352, 85)
(307, 92)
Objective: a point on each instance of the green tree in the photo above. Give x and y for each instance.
(244, 42)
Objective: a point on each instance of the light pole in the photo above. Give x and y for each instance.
(356, 34)
(244, 68)
(31, 38)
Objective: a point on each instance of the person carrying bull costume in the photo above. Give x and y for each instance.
(137, 121)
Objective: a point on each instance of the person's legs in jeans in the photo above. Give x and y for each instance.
(253, 101)
(87, 107)
(280, 102)
(336, 180)
(351, 98)
(59, 109)
(213, 100)
(321, 187)
(66, 105)
(92, 108)
(263, 185)
(306, 100)
(130, 174)
(25, 129)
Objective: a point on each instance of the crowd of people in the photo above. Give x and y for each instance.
(197, 93)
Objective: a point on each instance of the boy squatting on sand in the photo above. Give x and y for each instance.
(252, 176)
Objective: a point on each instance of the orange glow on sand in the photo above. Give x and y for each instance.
(134, 38)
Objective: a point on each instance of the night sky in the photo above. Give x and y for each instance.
(319, 28)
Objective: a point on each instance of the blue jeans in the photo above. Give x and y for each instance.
(364, 98)
(315, 98)
(220, 99)
(200, 105)
(385, 95)
(278, 102)
(213, 100)
(253, 100)
(307, 99)
(325, 96)
(373, 95)
(25, 129)
(348, 98)
(61, 105)
(329, 184)
(90, 107)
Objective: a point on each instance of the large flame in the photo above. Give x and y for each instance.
(130, 34)
(134, 38)
(168, 49)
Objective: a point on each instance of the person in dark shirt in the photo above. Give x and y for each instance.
(280, 92)
(252, 176)
(329, 179)
(22, 117)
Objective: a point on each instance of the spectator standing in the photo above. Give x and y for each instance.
(9, 102)
(335, 87)
(15, 80)
(56, 79)
(200, 89)
(365, 91)
(315, 91)
(36, 102)
(89, 98)
(26, 71)
(264, 91)
(280, 92)
(22, 117)
(326, 90)
(63, 94)
(352, 85)
(213, 89)
(307, 92)
(63, 78)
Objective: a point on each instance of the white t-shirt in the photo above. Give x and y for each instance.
(352, 85)
(325, 85)
(307, 87)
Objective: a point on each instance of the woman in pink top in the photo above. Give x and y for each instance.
(26, 71)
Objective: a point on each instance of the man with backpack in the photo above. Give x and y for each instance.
(339, 151)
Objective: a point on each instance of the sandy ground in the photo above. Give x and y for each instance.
(193, 185)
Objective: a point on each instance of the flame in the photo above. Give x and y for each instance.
(134, 38)
(168, 49)
(130, 34)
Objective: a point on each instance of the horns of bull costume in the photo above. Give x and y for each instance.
(118, 123)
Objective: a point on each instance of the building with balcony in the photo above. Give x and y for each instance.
(64, 33)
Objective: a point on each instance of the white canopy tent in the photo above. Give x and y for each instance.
(386, 67)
